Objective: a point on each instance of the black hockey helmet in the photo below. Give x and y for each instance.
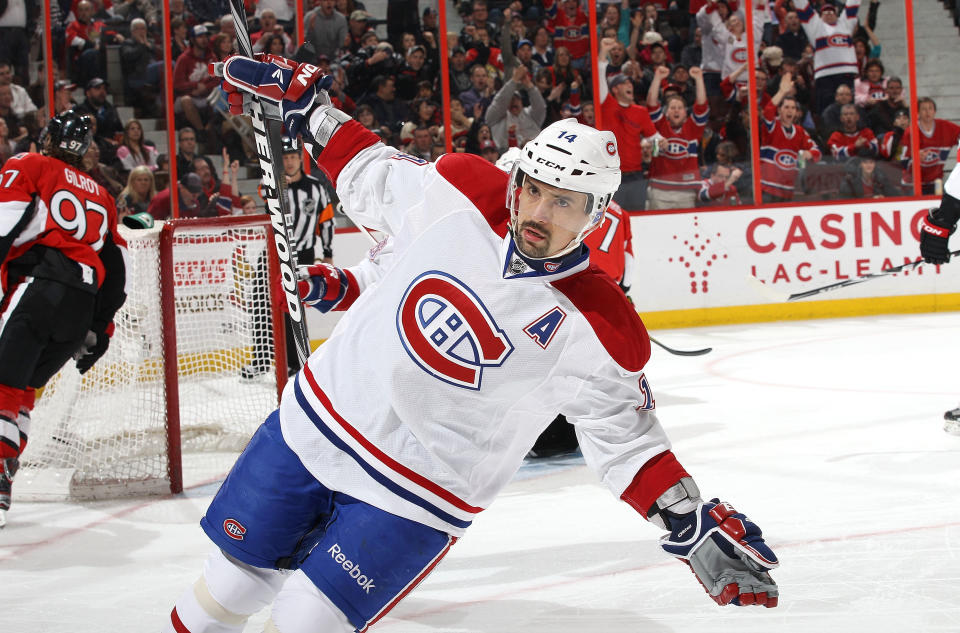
(67, 137)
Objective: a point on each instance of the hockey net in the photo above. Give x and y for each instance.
(168, 400)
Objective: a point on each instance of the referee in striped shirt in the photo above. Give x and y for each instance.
(311, 205)
(310, 202)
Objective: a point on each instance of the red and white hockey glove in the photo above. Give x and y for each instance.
(726, 552)
(322, 286)
(293, 86)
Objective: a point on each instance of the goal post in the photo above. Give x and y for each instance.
(194, 366)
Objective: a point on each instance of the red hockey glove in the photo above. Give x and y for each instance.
(294, 87)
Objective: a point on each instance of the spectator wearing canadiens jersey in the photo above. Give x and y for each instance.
(847, 142)
(937, 138)
(674, 171)
(570, 28)
(632, 127)
(783, 145)
(712, 45)
(834, 60)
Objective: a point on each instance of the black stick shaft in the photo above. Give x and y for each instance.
(860, 279)
(267, 132)
(681, 352)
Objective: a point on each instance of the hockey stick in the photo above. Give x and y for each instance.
(683, 352)
(267, 130)
(860, 279)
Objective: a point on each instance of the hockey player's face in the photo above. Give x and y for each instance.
(548, 218)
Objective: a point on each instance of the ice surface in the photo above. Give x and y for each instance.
(827, 433)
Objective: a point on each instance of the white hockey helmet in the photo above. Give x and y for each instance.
(569, 155)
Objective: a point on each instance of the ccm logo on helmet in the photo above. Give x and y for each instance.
(550, 163)
(448, 332)
(234, 530)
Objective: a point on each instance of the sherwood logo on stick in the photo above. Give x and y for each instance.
(263, 128)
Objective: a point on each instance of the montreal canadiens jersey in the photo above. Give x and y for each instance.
(453, 359)
(72, 213)
(833, 45)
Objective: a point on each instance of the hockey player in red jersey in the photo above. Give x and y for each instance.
(784, 145)
(935, 232)
(62, 274)
(486, 320)
(674, 171)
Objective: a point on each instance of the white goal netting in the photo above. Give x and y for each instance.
(105, 434)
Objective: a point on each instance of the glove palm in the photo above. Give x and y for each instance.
(726, 552)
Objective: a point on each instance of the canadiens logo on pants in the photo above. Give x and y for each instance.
(352, 569)
(234, 529)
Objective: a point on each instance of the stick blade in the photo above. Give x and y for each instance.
(766, 291)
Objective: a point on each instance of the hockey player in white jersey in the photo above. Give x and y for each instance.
(935, 232)
(458, 348)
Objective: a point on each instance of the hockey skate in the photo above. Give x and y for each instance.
(951, 422)
(8, 468)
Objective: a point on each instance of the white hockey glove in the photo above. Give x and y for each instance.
(726, 552)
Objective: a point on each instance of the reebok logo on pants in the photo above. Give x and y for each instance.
(351, 568)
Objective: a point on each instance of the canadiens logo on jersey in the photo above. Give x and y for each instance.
(448, 332)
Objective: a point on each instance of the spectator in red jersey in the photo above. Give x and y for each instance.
(570, 28)
(87, 38)
(192, 81)
(674, 172)
(632, 127)
(784, 145)
(847, 142)
(720, 187)
(937, 138)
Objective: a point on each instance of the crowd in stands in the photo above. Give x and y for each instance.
(673, 78)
